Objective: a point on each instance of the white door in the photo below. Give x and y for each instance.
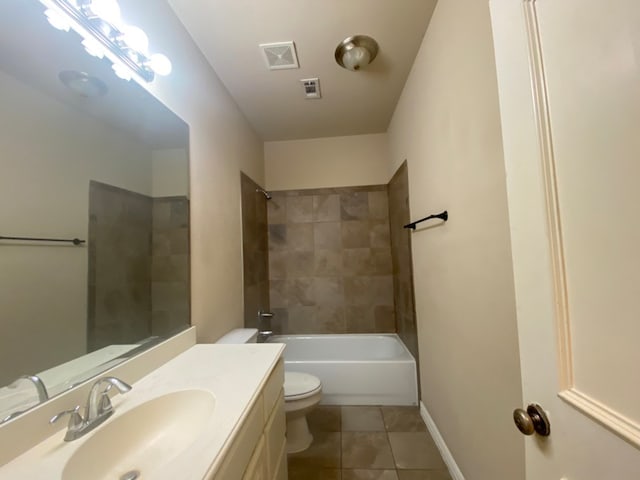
(569, 89)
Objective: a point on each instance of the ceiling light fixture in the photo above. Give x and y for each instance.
(104, 34)
(356, 52)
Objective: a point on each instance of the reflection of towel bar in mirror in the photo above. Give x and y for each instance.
(75, 241)
(442, 216)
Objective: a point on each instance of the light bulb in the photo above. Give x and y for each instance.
(160, 64)
(107, 10)
(135, 38)
(122, 71)
(355, 58)
(93, 47)
(57, 19)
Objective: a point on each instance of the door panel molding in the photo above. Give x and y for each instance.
(622, 426)
(607, 417)
(543, 124)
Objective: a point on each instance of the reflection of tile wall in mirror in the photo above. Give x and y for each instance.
(120, 230)
(169, 264)
(54, 143)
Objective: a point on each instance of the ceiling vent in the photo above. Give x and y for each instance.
(311, 87)
(280, 56)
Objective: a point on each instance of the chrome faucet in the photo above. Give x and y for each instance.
(43, 395)
(98, 408)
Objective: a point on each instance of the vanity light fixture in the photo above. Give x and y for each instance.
(104, 34)
(356, 52)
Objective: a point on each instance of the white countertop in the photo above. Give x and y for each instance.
(233, 373)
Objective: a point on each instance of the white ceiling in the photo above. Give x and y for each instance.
(229, 31)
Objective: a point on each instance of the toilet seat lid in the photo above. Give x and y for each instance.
(297, 384)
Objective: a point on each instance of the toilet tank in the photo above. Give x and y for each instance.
(240, 335)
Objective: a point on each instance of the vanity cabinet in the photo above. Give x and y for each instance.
(258, 450)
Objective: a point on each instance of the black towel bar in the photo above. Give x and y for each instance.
(75, 241)
(442, 216)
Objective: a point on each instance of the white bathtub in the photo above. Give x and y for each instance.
(355, 369)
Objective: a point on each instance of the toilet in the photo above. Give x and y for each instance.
(302, 392)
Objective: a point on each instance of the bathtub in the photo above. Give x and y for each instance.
(355, 369)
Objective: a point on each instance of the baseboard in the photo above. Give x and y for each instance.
(455, 472)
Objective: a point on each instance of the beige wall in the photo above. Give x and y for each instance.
(169, 172)
(44, 191)
(221, 144)
(326, 162)
(447, 125)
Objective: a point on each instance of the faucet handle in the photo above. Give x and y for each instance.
(75, 419)
(104, 404)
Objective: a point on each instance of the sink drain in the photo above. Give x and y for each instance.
(132, 475)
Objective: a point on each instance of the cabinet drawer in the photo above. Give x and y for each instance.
(238, 456)
(273, 387)
(274, 433)
(257, 468)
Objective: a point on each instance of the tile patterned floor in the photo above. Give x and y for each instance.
(368, 443)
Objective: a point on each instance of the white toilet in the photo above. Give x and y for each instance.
(302, 392)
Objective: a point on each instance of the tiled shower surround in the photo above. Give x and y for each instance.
(330, 267)
(402, 263)
(254, 253)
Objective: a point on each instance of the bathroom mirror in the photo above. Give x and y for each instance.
(87, 156)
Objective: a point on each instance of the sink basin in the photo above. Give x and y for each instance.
(143, 439)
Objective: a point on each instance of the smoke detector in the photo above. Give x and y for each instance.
(311, 87)
(280, 56)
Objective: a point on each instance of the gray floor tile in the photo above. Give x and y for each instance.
(403, 419)
(423, 475)
(415, 450)
(366, 450)
(324, 452)
(310, 473)
(325, 418)
(369, 475)
(362, 419)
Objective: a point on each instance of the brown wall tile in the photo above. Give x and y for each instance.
(354, 205)
(300, 236)
(299, 209)
(327, 235)
(300, 292)
(326, 208)
(277, 209)
(378, 205)
(355, 234)
(328, 262)
(328, 291)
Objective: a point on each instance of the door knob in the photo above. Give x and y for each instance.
(532, 420)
